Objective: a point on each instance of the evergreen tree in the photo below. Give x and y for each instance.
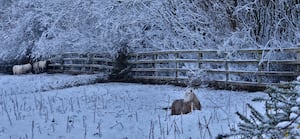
(281, 116)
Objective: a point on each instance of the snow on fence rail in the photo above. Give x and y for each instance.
(76, 63)
(239, 68)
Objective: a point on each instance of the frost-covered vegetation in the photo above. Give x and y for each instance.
(280, 118)
(38, 28)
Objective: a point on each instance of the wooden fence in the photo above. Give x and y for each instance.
(239, 68)
(235, 69)
(76, 63)
(6, 68)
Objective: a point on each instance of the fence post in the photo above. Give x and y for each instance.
(83, 62)
(298, 59)
(62, 63)
(176, 67)
(91, 62)
(154, 64)
(259, 65)
(200, 57)
(136, 58)
(226, 70)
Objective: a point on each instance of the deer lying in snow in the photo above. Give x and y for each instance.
(186, 105)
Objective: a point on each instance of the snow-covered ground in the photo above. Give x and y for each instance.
(39, 106)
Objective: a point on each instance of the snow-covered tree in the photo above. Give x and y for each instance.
(39, 28)
(280, 118)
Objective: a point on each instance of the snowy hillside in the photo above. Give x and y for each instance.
(38, 28)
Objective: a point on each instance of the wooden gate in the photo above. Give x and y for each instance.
(76, 63)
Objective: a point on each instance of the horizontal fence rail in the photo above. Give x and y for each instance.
(246, 67)
(76, 63)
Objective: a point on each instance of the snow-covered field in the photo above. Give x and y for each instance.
(39, 106)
